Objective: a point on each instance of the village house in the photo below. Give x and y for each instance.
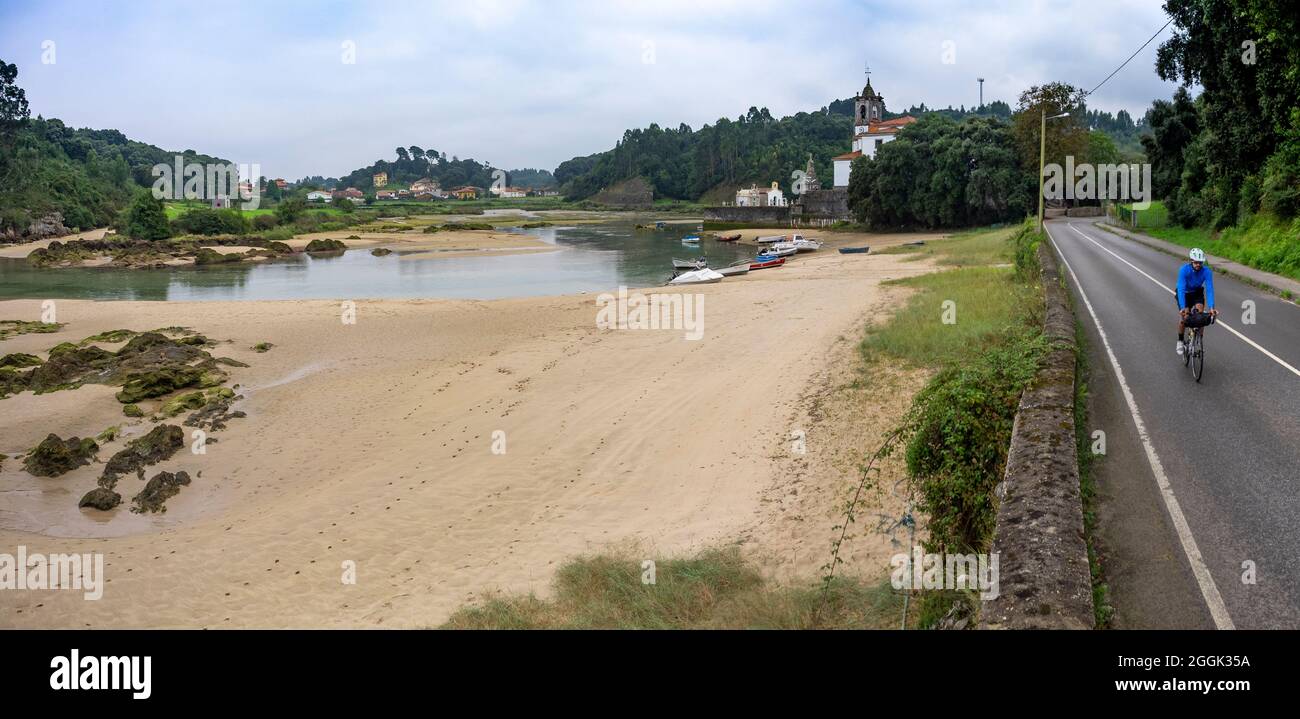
(402, 194)
(351, 193)
(380, 179)
(870, 131)
(319, 196)
(385, 195)
(767, 197)
(425, 196)
(465, 193)
(509, 192)
(424, 184)
(281, 183)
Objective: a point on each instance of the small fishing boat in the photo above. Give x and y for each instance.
(802, 244)
(704, 276)
(854, 250)
(770, 239)
(736, 268)
(661, 226)
(696, 264)
(691, 240)
(729, 238)
(762, 262)
(780, 250)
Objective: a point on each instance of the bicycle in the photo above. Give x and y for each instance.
(1194, 343)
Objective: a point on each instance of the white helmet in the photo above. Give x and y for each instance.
(1197, 254)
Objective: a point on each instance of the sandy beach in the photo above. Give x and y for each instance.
(373, 443)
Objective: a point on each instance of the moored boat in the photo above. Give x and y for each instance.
(780, 250)
(696, 264)
(691, 240)
(761, 262)
(770, 239)
(696, 277)
(854, 250)
(729, 238)
(736, 268)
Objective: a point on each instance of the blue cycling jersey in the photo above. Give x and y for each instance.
(1190, 279)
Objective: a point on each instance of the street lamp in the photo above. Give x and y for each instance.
(1042, 152)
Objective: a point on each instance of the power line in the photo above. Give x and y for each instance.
(1130, 57)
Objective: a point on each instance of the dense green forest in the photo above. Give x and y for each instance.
(1233, 151)
(86, 175)
(757, 148)
(415, 163)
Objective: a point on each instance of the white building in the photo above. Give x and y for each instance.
(754, 197)
(870, 132)
(319, 196)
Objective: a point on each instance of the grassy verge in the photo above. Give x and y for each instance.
(716, 589)
(978, 325)
(1263, 243)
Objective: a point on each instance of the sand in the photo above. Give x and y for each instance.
(373, 443)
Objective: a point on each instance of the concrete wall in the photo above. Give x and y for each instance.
(1044, 578)
(761, 215)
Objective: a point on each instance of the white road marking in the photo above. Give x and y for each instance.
(1209, 590)
(1225, 325)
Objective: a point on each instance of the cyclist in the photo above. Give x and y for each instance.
(1195, 290)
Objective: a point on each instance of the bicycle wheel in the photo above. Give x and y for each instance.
(1198, 356)
(1187, 350)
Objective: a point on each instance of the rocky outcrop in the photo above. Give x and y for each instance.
(325, 245)
(158, 490)
(160, 444)
(55, 456)
(101, 499)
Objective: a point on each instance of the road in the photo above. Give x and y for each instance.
(1200, 483)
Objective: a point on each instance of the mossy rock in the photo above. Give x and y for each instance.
(183, 403)
(101, 499)
(143, 385)
(55, 456)
(161, 487)
(195, 341)
(67, 367)
(63, 348)
(262, 347)
(111, 336)
(12, 381)
(20, 359)
(132, 410)
(326, 245)
(279, 248)
(209, 256)
(109, 434)
(381, 251)
(229, 362)
(10, 328)
(212, 378)
(222, 392)
(159, 444)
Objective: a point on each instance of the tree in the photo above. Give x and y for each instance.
(14, 112)
(402, 154)
(290, 209)
(1066, 136)
(1174, 124)
(146, 218)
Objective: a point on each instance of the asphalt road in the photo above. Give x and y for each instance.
(1200, 483)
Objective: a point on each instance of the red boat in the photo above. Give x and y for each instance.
(729, 238)
(764, 264)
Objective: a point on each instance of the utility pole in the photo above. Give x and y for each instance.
(1042, 157)
(981, 92)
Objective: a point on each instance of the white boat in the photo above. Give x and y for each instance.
(738, 268)
(697, 264)
(770, 239)
(705, 276)
(778, 251)
(691, 240)
(805, 245)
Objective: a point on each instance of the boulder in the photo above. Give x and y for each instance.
(55, 456)
(101, 499)
(160, 444)
(158, 490)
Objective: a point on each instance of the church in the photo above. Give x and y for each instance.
(870, 131)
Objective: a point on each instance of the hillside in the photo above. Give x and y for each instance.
(756, 148)
(85, 175)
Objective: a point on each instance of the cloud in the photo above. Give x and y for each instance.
(530, 84)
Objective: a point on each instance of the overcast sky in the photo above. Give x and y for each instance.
(531, 84)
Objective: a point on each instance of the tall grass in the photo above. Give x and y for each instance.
(1262, 242)
(716, 589)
